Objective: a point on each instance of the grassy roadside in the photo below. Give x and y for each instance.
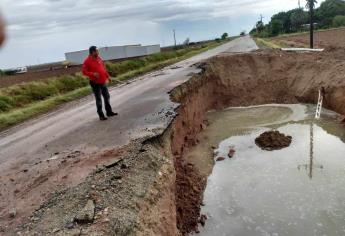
(22, 102)
(264, 43)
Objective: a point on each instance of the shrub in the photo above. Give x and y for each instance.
(68, 83)
(6, 104)
(116, 69)
(339, 21)
(39, 90)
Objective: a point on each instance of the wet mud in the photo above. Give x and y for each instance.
(273, 140)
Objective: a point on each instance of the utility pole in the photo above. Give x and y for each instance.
(174, 37)
(261, 18)
(311, 12)
(299, 4)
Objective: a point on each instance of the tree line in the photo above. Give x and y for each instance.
(331, 13)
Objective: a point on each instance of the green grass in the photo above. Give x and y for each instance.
(19, 115)
(22, 102)
(266, 43)
(18, 96)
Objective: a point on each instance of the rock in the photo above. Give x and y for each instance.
(202, 220)
(203, 126)
(87, 214)
(342, 119)
(13, 212)
(70, 225)
(100, 169)
(116, 177)
(231, 153)
(220, 159)
(73, 232)
(124, 166)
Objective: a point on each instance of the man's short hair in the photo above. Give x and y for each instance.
(92, 49)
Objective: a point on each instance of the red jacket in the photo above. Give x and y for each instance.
(91, 66)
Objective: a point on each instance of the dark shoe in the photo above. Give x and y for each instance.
(110, 114)
(103, 118)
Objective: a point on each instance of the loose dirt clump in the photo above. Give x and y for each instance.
(273, 140)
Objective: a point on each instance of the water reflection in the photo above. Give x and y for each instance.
(263, 193)
(311, 166)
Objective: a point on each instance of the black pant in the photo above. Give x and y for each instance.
(100, 90)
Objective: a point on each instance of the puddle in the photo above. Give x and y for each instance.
(298, 190)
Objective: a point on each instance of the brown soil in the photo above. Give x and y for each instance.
(9, 80)
(153, 190)
(273, 140)
(29, 186)
(323, 39)
(189, 190)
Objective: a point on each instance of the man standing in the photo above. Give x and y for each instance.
(94, 68)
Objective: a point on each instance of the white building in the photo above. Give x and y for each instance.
(113, 53)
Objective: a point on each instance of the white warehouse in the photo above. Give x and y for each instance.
(113, 53)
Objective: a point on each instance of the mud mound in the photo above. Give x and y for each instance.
(273, 140)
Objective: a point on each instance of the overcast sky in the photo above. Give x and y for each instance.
(41, 31)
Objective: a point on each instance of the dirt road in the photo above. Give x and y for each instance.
(63, 147)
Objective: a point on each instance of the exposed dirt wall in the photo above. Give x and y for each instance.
(243, 80)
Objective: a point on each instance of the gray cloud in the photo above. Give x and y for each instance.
(41, 16)
(55, 26)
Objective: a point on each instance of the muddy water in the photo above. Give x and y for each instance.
(299, 190)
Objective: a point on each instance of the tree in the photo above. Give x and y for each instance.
(298, 17)
(276, 27)
(284, 17)
(311, 6)
(260, 26)
(330, 9)
(338, 21)
(225, 36)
